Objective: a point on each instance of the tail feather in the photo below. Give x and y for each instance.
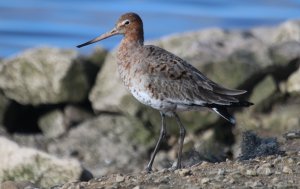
(222, 111)
(241, 104)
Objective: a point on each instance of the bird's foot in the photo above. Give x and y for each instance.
(175, 166)
(148, 169)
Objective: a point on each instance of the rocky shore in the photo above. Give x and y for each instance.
(68, 122)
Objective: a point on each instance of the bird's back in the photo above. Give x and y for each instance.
(178, 82)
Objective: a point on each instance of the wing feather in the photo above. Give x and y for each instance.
(179, 82)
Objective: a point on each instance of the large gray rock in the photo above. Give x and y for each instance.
(263, 90)
(106, 144)
(4, 103)
(21, 163)
(53, 124)
(43, 76)
(293, 83)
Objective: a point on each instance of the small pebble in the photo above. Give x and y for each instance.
(264, 171)
(288, 170)
(231, 181)
(120, 178)
(136, 187)
(251, 172)
(277, 173)
(205, 180)
(221, 172)
(290, 161)
(275, 180)
(266, 165)
(257, 184)
(184, 172)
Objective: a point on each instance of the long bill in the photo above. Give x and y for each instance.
(101, 37)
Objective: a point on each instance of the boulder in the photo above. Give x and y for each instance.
(4, 103)
(21, 163)
(106, 144)
(53, 124)
(263, 90)
(43, 76)
(17, 185)
(281, 118)
(293, 83)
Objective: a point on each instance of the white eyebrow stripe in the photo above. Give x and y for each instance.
(123, 23)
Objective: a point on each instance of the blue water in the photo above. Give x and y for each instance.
(67, 23)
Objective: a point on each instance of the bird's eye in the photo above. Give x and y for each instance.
(126, 22)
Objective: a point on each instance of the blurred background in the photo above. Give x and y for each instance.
(66, 23)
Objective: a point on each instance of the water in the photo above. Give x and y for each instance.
(67, 23)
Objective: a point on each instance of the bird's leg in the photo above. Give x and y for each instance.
(181, 140)
(161, 136)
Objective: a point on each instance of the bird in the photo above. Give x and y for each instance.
(165, 82)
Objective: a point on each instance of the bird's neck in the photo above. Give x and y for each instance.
(134, 37)
(130, 44)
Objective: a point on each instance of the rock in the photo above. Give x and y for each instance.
(53, 124)
(92, 63)
(285, 52)
(288, 31)
(20, 163)
(288, 170)
(292, 135)
(251, 172)
(4, 104)
(43, 76)
(106, 144)
(293, 83)
(275, 180)
(205, 180)
(280, 118)
(221, 172)
(263, 90)
(17, 185)
(108, 86)
(74, 115)
(120, 178)
(264, 171)
(257, 184)
(184, 172)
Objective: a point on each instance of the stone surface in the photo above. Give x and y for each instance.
(263, 90)
(283, 117)
(293, 83)
(17, 185)
(53, 124)
(205, 176)
(74, 115)
(106, 144)
(284, 52)
(4, 103)
(20, 163)
(43, 75)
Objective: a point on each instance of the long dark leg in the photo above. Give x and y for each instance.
(161, 136)
(181, 140)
